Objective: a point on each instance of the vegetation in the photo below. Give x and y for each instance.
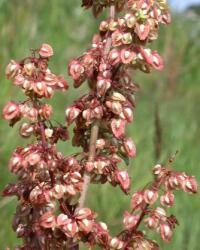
(62, 24)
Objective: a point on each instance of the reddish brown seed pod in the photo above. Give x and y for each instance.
(46, 50)
(190, 185)
(47, 220)
(123, 179)
(130, 220)
(150, 196)
(118, 127)
(167, 199)
(137, 200)
(11, 111)
(165, 232)
(129, 147)
(13, 69)
(142, 31)
(26, 130)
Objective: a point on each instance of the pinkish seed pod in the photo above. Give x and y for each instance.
(103, 226)
(71, 114)
(70, 189)
(176, 181)
(157, 61)
(98, 112)
(114, 106)
(146, 55)
(87, 115)
(31, 114)
(27, 85)
(48, 92)
(89, 166)
(130, 220)
(62, 84)
(130, 20)
(159, 171)
(15, 163)
(102, 86)
(85, 225)
(112, 25)
(118, 127)
(29, 68)
(116, 243)
(129, 147)
(46, 111)
(62, 219)
(128, 114)
(150, 196)
(117, 38)
(19, 80)
(167, 199)
(103, 26)
(118, 97)
(47, 220)
(12, 69)
(50, 79)
(114, 56)
(76, 69)
(46, 50)
(70, 229)
(83, 213)
(100, 144)
(48, 133)
(122, 22)
(136, 200)
(190, 185)
(69, 162)
(160, 213)
(142, 30)
(26, 130)
(166, 18)
(33, 159)
(127, 38)
(75, 177)
(123, 179)
(127, 56)
(99, 166)
(39, 88)
(152, 222)
(11, 111)
(165, 232)
(58, 191)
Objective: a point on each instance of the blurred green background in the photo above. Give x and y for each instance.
(26, 24)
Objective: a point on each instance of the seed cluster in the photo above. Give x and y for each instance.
(50, 185)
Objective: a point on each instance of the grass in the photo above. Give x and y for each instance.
(69, 30)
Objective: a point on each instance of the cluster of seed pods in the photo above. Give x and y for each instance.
(50, 185)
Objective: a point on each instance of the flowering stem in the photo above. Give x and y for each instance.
(95, 126)
(92, 151)
(43, 138)
(41, 124)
